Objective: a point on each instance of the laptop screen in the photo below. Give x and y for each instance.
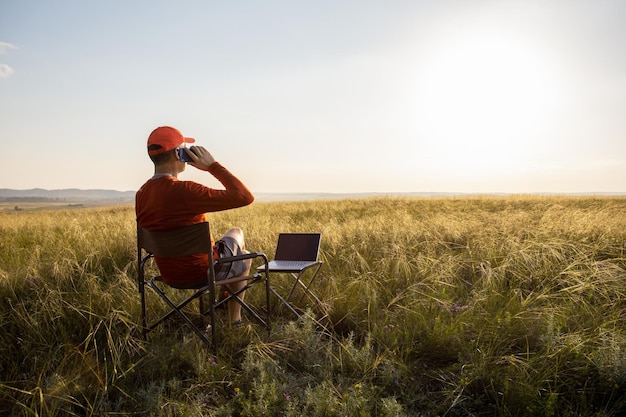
(298, 246)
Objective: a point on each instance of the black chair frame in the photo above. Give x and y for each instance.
(189, 240)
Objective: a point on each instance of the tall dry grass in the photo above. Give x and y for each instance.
(452, 306)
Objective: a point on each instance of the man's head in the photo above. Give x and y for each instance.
(165, 139)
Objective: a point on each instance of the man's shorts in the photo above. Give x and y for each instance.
(228, 246)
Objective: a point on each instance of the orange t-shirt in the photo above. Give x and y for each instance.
(166, 203)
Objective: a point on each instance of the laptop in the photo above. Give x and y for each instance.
(295, 251)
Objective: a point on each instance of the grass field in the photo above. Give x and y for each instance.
(474, 306)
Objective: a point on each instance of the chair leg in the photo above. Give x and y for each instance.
(144, 322)
(176, 310)
(284, 302)
(267, 301)
(234, 296)
(306, 288)
(212, 316)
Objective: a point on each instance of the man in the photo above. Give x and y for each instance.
(164, 202)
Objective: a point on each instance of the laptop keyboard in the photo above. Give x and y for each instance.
(292, 263)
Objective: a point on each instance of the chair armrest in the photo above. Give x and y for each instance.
(242, 257)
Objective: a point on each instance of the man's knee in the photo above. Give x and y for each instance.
(237, 234)
(234, 232)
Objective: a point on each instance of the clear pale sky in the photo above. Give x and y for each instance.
(319, 96)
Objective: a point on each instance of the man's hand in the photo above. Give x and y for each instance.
(202, 159)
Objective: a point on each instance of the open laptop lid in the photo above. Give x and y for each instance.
(298, 247)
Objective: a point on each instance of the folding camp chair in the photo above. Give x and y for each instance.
(184, 241)
(296, 255)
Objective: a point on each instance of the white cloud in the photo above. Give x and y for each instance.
(4, 46)
(6, 71)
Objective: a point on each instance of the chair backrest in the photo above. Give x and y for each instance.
(183, 241)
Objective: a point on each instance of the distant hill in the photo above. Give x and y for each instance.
(75, 195)
(341, 196)
(66, 195)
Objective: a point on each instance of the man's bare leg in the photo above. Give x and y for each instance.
(234, 308)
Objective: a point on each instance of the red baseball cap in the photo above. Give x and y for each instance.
(165, 138)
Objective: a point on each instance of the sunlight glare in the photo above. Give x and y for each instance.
(482, 100)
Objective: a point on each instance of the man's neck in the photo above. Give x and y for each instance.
(164, 173)
(155, 176)
(166, 170)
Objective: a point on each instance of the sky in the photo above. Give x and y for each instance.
(339, 96)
